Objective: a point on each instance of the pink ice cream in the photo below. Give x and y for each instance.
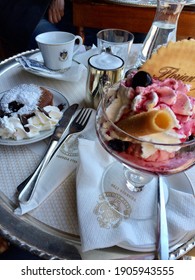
(170, 95)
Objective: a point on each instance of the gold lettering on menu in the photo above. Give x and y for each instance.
(172, 72)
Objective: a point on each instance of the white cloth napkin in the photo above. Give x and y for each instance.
(84, 56)
(101, 226)
(59, 168)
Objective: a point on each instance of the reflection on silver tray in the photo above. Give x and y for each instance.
(51, 243)
(141, 3)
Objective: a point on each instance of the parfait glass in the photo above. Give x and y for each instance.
(135, 169)
(163, 28)
(133, 172)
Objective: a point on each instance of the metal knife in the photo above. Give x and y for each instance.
(26, 187)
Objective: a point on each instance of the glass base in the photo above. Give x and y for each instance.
(121, 203)
(116, 191)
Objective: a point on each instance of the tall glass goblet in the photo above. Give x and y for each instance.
(142, 161)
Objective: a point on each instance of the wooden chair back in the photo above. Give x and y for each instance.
(104, 14)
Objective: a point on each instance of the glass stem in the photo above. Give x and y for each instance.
(135, 179)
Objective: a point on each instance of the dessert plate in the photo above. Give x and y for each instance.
(58, 99)
(179, 182)
(34, 65)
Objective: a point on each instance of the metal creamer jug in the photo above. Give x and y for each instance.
(105, 69)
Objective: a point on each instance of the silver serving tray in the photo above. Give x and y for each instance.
(141, 3)
(48, 242)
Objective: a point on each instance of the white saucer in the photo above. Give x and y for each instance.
(140, 208)
(179, 182)
(72, 74)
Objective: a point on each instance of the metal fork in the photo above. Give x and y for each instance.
(78, 124)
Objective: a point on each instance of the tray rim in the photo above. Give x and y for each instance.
(141, 4)
(67, 246)
(132, 3)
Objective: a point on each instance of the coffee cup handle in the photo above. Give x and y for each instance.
(77, 46)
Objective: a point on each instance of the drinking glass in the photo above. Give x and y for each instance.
(163, 28)
(117, 42)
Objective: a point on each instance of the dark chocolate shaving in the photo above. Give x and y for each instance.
(28, 116)
(3, 114)
(43, 111)
(15, 106)
(24, 121)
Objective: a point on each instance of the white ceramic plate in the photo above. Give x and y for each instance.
(179, 182)
(58, 98)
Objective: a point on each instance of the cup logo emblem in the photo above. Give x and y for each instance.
(63, 55)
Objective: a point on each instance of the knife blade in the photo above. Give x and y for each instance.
(63, 122)
(26, 187)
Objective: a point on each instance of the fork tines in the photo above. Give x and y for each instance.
(84, 115)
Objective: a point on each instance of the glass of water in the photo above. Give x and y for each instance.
(163, 29)
(117, 42)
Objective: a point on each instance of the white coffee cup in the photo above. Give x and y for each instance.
(58, 48)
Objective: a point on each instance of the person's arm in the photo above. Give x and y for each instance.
(56, 11)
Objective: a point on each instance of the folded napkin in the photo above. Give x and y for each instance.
(102, 226)
(84, 56)
(60, 167)
(35, 66)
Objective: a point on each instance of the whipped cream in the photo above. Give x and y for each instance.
(21, 102)
(106, 61)
(170, 95)
(12, 128)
